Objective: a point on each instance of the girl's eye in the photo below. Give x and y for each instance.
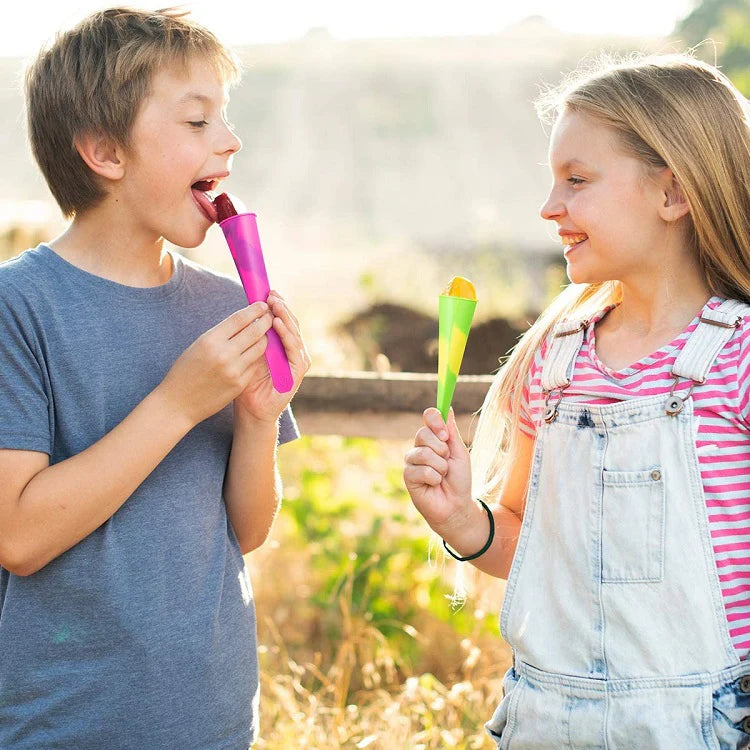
(576, 180)
(198, 124)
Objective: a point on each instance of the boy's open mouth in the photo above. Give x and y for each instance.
(203, 196)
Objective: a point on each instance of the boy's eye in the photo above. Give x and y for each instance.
(576, 180)
(198, 123)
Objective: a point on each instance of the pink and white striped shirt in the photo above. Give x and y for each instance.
(722, 408)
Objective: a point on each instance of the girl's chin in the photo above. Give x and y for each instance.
(578, 275)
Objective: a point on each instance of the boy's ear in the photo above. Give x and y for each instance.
(674, 205)
(102, 155)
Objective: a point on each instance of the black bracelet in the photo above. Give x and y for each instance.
(486, 544)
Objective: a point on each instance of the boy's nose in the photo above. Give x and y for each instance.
(229, 143)
(235, 144)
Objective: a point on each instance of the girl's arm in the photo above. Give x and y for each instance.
(438, 477)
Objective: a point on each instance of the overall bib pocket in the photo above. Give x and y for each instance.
(633, 526)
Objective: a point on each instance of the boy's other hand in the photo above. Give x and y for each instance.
(260, 400)
(437, 472)
(219, 365)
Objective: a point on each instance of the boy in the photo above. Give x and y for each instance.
(138, 424)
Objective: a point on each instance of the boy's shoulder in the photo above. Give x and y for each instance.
(214, 288)
(21, 263)
(25, 275)
(197, 273)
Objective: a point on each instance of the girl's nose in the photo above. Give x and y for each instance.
(552, 208)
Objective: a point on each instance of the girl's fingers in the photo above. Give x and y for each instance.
(426, 437)
(434, 420)
(420, 475)
(427, 457)
(455, 435)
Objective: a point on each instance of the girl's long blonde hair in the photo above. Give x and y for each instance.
(668, 111)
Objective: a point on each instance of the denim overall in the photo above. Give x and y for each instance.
(613, 607)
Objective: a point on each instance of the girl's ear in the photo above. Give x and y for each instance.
(674, 204)
(102, 155)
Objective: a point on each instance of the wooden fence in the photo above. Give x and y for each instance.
(369, 404)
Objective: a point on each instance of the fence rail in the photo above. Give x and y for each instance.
(369, 404)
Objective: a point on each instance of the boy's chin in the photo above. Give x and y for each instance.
(188, 241)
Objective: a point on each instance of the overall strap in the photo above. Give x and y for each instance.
(715, 328)
(557, 371)
(567, 338)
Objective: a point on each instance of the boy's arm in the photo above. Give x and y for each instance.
(45, 510)
(252, 487)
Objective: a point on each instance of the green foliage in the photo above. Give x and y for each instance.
(726, 23)
(372, 585)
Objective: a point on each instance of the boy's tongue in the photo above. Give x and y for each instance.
(204, 200)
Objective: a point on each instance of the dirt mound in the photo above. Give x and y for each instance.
(407, 339)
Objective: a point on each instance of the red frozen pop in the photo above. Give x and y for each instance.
(241, 232)
(224, 207)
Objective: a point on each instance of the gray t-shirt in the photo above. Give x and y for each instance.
(143, 634)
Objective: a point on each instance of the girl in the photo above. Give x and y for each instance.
(611, 470)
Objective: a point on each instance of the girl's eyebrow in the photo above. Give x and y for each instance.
(570, 163)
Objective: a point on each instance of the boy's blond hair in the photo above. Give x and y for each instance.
(666, 111)
(94, 78)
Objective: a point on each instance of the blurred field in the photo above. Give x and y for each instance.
(361, 647)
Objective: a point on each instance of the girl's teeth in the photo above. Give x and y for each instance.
(573, 239)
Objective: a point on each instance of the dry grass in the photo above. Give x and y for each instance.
(359, 646)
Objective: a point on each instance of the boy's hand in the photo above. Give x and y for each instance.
(218, 366)
(437, 474)
(260, 400)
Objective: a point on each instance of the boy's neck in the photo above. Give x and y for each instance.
(99, 245)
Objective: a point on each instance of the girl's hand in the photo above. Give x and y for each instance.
(437, 474)
(218, 366)
(259, 399)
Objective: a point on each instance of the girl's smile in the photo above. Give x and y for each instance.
(571, 241)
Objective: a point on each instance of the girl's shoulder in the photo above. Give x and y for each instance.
(730, 314)
(563, 328)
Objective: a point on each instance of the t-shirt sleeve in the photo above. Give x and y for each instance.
(288, 429)
(526, 423)
(24, 404)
